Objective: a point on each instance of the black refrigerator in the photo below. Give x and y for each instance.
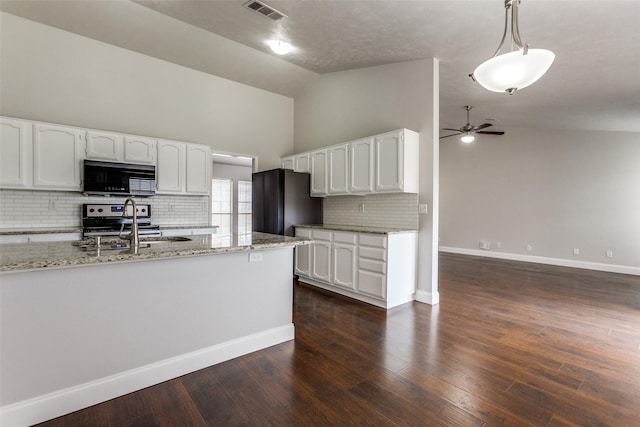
(281, 200)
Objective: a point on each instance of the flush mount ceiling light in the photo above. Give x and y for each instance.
(279, 46)
(513, 70)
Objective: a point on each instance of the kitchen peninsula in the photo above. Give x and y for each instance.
(81, 325)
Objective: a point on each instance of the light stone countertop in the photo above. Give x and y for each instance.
(355, 228)
(21, 231)
(30, 256)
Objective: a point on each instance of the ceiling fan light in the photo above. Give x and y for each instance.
(467, 138)
(513, 70)
(280, 47)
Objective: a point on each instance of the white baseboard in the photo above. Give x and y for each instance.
(61, 402)
(610, 268)
(425, 297)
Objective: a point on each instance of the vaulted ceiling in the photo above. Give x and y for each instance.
(594, 83)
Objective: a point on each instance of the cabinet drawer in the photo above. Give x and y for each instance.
(373, 253)
(342, 237)
(321, 235)
(372, 265)
(376, 240)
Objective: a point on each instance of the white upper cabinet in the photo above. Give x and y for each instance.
(396, 161)
(57, 157)
(319, 173)
(384, 163)
(15, 153)
(139, 150)
(183, 168)
(105, 146)
(297, 162)
(287, 162)
(171, 164)
(338, 169)
(361, 161)
(198, 169)
(302, 163)
(115, 147)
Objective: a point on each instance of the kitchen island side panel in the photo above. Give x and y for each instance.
(74, 327)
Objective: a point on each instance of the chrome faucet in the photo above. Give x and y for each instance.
(133, 236)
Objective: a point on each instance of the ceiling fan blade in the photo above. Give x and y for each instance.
(453, 134)
(491, 132)
(482, 126)
(455, 130)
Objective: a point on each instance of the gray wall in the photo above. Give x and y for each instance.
(341, 106)
(59, 77)
(554, 190)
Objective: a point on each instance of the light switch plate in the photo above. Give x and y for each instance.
(423, 208)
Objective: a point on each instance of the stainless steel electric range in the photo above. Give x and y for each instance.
(110, 220)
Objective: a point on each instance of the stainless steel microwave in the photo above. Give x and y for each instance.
(118, 179)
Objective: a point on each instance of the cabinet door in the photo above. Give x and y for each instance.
(198, 169)
(170, 171)
(372, 283)
(57, 157)
(362, 165)
(338, 169)
(301, 163)
(287, 162)
(104, 146)
(139, 150)
(303, 254)
(15, 153)
(344, 265)
(319, 173)
(389, 171)
(321, 261)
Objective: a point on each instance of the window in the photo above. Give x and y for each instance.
(244, 207)
(221, 205)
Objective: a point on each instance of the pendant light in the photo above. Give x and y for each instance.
(515, 70)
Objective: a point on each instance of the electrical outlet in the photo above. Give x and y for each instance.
(172, 207)
(485, 245)
(609, 254)
(498, 245)
(529, 248)
(361, 208)
(53, 205)
(255, 256)
(576, 251)
(423, 208)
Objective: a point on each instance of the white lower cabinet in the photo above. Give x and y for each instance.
(303, 254)
(379, 269)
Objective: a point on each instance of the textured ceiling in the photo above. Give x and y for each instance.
(594, 83)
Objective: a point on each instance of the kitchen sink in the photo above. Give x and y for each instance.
(150, 240)
(122, 244)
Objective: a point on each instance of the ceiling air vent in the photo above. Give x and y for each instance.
(264, 10)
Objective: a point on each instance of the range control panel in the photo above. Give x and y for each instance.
(114, 210)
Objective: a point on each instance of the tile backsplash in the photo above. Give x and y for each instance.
(380, 210)
(23, 209)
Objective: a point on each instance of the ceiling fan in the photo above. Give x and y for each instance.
(469, 131)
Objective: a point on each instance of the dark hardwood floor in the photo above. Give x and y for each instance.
(509, 344)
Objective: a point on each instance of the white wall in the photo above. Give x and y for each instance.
(342, 106)
(55, 76)
(554, 190)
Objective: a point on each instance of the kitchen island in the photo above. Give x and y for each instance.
(81, 325)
